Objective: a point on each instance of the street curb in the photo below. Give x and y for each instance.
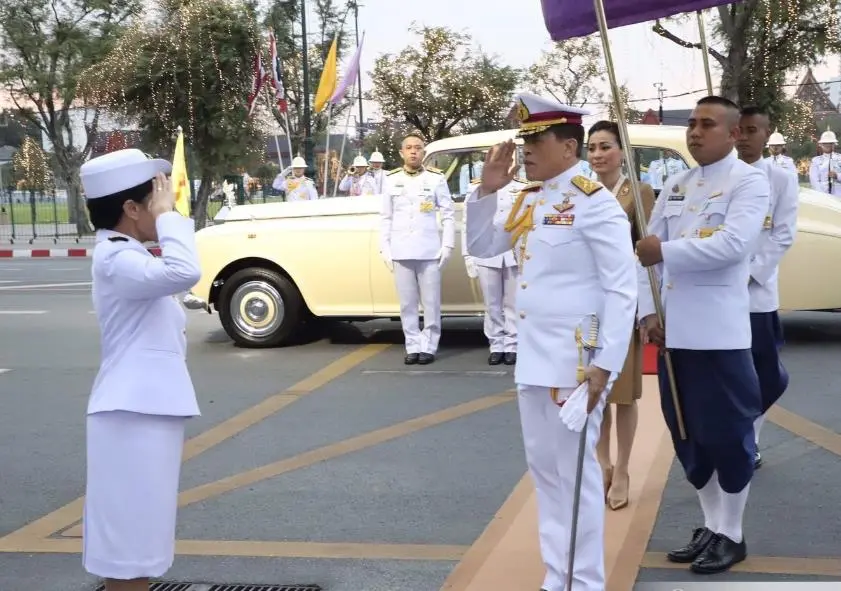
(46, 253)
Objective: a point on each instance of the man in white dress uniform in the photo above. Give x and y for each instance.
(778, 231)
(823, 173)
(498, 279)
(776, 146)
(573, 241)
(413, 247)
(376, 171)
(296, 186)
(143, 392)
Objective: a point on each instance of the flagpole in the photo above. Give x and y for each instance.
(344, 139)
(638, 206)
(702, 30)
(288, 134)
(327, 149)
(279, 157)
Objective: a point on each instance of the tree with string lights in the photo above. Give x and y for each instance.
(44, 46)
(440, 86)
(571, 70)
(631, 115)
(191, 68)
(760, 41)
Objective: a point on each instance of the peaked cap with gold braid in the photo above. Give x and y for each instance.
(537, 114)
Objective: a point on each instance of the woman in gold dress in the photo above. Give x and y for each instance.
(604, 152)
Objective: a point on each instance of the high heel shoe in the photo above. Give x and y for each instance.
(607, 475)
(617, 496)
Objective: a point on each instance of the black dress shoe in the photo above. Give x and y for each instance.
(411, 359)
(510, 358)
(721, 554)
(495, 358)
(757, 461)
(426, 358)
(701, 538)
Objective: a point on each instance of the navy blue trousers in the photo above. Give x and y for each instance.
(720, 400)
(767, 342)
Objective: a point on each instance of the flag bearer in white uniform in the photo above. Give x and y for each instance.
(143, 393)
(572, 239)
(778, 231)
(498, 279)
(413, 247)
(823, 173)
(776, 147)
(296, 186)
(703, 230)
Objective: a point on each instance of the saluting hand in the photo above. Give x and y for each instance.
(499, 168)
(163, 197)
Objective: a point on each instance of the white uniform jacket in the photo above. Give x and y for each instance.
(505, 200)
(377, 176)
(708, 219)
(297, 188)
(354, 185)
(142, 324)
(819, 173)
(577, 260)
(784, 162)
(777, 236)
(409, 216)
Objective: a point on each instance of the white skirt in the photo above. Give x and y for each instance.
(134, 464)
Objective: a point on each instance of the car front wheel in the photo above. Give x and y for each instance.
(260, 308)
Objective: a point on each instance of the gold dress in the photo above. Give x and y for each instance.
(628, 386)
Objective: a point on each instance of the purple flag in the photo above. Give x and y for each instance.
(350, 75)
(566, 19)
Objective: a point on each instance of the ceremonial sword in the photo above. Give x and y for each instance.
(588, 345)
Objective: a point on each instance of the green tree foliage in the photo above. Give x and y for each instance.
(191, 68)
(757, 42)
(631, 115)
(440, 86)
(571, 71)
(44, 46)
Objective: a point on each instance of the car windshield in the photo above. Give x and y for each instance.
(462, 167)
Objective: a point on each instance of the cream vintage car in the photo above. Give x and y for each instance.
(268, 268)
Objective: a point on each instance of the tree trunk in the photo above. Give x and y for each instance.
(76, 202)
(200, 212)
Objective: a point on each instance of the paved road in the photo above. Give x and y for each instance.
(328, 463)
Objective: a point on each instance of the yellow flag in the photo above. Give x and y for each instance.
(329, 76)
(180, 182)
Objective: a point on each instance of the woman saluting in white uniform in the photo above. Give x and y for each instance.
(143, 392)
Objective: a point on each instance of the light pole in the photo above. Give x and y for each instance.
(359, 130)
(309, 148)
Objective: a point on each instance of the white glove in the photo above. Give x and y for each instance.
(443, 255)
(574, 411)
(470, 264)
(388, 262)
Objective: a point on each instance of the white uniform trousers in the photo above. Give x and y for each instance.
(419, 281)
(498, 287)
(552, 455)
(134, 464)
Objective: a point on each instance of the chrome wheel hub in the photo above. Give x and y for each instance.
(257, 308)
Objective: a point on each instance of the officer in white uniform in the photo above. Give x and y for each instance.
(703, 229)
(376, 171)
(659, 170)
(470, 173)
(143, 393)
(778, 231)
(776, 145)
(498, 279)
(296, 186)
(413, 247)
(572, 239)
(823, 173)
(358, 181)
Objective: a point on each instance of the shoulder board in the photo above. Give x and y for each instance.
(391, 172)
(433, 170)
(521, 180)
(118, 239)
(530, 187)
(585, 185)
(475, 181)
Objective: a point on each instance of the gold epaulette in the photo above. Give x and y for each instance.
(521, 180)
(434, 170)
(533, 186)
(391, 172)
(585, 185)
(475, 181)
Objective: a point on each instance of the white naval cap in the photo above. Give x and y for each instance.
(537, 114)
(776, 139)
(828, 137)
(118, 171)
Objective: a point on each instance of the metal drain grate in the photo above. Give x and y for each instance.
(164, 586)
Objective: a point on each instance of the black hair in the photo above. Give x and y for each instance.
(564, 131)
(609, 126)
(414, 134)
(718, 100)
(106, 212)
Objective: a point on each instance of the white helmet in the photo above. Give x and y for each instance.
(376, 157)
(360, 162)
(776, 139)
(828, 137)
(298, 162)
